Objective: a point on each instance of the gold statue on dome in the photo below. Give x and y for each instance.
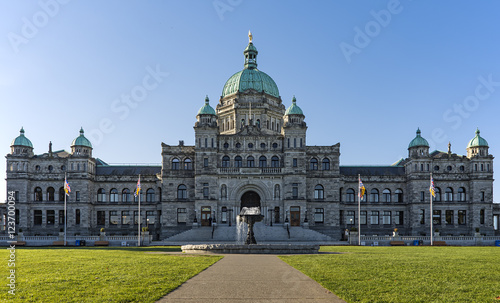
(250, 37)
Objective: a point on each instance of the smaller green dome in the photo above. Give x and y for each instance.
(206, 109)
(81, 140)
(418, 141)
(477, 141)
(21, 140)
(294, 109)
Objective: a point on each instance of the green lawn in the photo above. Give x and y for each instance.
(406, 274)
(111, 274)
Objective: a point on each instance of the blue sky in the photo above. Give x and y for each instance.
(365, 73)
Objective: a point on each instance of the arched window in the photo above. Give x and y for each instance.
(113, 195)
(461, 194)
(223, 191)
(150, 195)
(101, 195)
(238, 162)
(448, 195)
(50, 194)
(374, 195)
(350, 195)
(275, 161)
(313, 164)
(437, 193)
(399, 195)
(188, 165)
(262, 161)
(38, 194)
(386, 195)
(325, 165)
(225, 161)
(175, 164)
(319, 192)
(61, 194)
(250, 161)
(182, 192)
(276, 192)
(258, 123)
(126, 195)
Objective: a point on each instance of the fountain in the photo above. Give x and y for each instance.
(250, 215)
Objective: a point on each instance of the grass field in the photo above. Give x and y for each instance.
(111, 274)
(406, 274)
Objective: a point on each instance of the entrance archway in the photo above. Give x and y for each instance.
(250, 199)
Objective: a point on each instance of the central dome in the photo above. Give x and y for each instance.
(250, 77)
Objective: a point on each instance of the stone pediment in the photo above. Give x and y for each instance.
(250, 130)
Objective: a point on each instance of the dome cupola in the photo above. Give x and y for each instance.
(477, 146)
(81, 145)
(418, 146)
(21, 144)
(206, 115)
(294, 109)
(206, 109)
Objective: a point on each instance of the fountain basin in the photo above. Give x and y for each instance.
(273, 249)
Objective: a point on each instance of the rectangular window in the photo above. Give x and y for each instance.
(77, 196)
(449, 217)
(205, 162)
(181, 216)
(295, 190)
(319, 215)
(288, 141)
(462, 217)
(374, 218)
(422, 216)
(481, 216)
(17, 216)
(136, 217)
(362, 218)
(300, 142)
(61, 217)
(113, 217)
(482, 196)
(436, 217)
(399, 218)
(205, 190)
(223, 218)
(37, 218)
(212, 142)
(77, 217)
(150, 217)
(126, 217)
(101, 217)
(51, 217)
(495, 222)
(386, 219)
(16, 196)
(294, 142)
(350, 217)
(422, 196)
(294, 162)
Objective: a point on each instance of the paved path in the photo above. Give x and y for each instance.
(250, 278)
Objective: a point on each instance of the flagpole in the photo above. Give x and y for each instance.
(359, 210)
(432, 242)
(65, 215)
(140, 219)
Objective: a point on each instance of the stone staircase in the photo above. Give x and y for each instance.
(263, 233)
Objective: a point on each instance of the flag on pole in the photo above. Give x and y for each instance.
(361, 189)
(432, 189)
(67, 188)
(138, 188)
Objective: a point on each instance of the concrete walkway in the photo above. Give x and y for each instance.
(250, 278)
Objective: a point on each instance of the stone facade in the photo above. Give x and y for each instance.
(249, 151)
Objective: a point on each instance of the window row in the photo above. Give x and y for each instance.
(126, 195)
(50, 217)
(187, 164)
(449, 217)
(448, 196)
(375, 217)
(250, 161)
(50, 195)
(374, 195)
(250, 145)
(125, 217)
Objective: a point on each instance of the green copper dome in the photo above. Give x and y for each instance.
(21, 140)
(206, 109)
(477, 141)
(294, 109)
(81, 140)
(418, 141)
(250, 77)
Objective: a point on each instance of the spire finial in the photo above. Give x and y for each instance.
(81, 131)
(206, 99)
(418, 131)
(449, 147)
(250, 37)
(477, 131)
(294, 100)
(22, 131)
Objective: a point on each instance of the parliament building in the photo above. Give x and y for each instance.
(251, 150)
